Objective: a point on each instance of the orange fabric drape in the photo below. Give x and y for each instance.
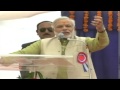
(72, 14)
(118, 21)
(98, 13)
(85, 21)
(110, 20)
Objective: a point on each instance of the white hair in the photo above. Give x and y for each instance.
(63, 17)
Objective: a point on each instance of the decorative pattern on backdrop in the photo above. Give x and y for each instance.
(118, 21)
(85, 21)
(108, 16)
(99, 13)
(72, 14)
(110, 20)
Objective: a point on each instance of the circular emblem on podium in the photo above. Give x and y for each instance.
(82, 57)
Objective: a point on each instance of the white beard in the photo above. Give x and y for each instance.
(71, 35)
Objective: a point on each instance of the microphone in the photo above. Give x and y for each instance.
(61, 35)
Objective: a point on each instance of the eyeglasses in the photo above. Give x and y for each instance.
(44, 29)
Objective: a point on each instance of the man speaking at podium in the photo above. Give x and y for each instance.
(67, 43)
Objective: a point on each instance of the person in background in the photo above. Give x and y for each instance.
(66, 43)
(44, 30)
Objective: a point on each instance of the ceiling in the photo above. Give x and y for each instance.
(8, 15)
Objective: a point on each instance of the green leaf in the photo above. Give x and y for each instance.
(40, 75)
(30, 75)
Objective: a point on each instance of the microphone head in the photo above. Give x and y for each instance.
(61, 36)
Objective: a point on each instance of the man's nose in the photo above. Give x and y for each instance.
(46, 30)
(64, 27)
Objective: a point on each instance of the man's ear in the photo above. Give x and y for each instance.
(36, 31)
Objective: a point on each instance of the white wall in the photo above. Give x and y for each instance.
(13, 33)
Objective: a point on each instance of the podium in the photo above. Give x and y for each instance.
(46, 66)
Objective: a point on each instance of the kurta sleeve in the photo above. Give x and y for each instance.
(32, 49)
(99, 42)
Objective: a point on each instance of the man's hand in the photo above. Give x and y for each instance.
(6, 61)
(98, 23)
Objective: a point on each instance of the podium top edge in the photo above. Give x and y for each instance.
(31, 55)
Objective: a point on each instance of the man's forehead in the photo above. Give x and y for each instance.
(45, 24)
(63, 22)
